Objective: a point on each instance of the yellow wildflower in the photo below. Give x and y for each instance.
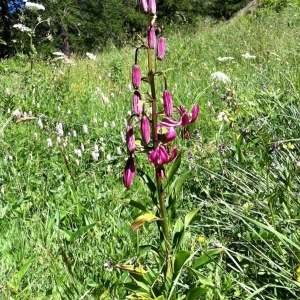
(298, 270)
(201, 239)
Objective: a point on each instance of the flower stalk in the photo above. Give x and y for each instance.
(158, 123)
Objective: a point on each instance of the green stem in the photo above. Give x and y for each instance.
(164, 224)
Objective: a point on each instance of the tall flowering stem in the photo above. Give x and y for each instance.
(155, 126)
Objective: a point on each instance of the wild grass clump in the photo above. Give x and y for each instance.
(65, 216)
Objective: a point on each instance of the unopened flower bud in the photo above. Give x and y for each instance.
(168, 103)
(144, 6)
(151, 37)
(136, 77)
(136, 103)
(130, 140)
(161, 48)
(152, 7)
(145, 129)
(129, 172)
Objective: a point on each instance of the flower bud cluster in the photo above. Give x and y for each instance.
(154, 127)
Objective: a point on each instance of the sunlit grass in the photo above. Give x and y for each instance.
(62, 216)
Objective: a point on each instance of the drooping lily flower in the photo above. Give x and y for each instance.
(166, 134)
(161, 156)
(129, 172)
(185, 119)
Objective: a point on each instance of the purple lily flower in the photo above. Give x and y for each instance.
(161, 156)
(185, 120)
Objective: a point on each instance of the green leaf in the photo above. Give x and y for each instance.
(175, 166)
(180, 259)
(16, 281)
(138, 205)
(206, 257)
(195, 293)
(189, 217)
(178, 233)
(180, 182)
(141, 220)
(72, 236)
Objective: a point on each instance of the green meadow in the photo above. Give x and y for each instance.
(65, 215)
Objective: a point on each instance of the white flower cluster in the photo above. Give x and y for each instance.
(32, 5)
(22, 27)
(220, 76)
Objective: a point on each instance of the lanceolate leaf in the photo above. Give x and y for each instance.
(174, 168)
(206, 257)
(189, 217)
(141, 220)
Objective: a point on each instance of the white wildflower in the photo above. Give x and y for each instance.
(113, 124)
(40, 123)
(104, 124)
(119, 151)
(74, 133)
(78, 152)
(91, 56)
(248, 56)
(17, 114)
(59, 129)
(222, 117)
(220, 76)
(104, 98)
(22, 28)
(225, 58)
(49, 143)
(36, 6)
(85, 129)
(95, 155)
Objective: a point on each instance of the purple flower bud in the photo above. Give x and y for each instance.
(152, 7)
(136, 77)
(130, 140)
(144, 6)
(161, 48)
(129, 172)
(145, 129)
(168, 103)
(136, 103)
(151, 37)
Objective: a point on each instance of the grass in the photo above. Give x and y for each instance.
(64, 217)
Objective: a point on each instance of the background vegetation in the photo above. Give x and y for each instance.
(64, 218)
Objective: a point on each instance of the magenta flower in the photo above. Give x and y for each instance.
(130, 140)
(151, 37)
(136, 103)
(129, 172)
(145, 129)
(152, 7)
(136, 77)
(168, 103)
(185, 120)
(161, 156)
(144, 6)
(161, 48)
(166, 134)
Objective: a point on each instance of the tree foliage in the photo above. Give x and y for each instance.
(89, 25)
